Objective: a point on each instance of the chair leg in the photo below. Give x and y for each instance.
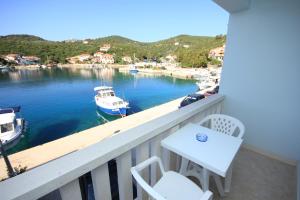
(219, 184)
(228, 180)
(184, 165)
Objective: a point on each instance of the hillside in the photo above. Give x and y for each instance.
(194, 55)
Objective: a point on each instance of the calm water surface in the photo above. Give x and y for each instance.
(59, 102)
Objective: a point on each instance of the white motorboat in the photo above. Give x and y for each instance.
(109, 103)
(203, 85)
(11, 127)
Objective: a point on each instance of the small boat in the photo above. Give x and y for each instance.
(133, 69)
(11, 127)
(203, 85)
(109, 103)
(4, 68)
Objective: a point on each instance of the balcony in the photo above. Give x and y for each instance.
(254, 176)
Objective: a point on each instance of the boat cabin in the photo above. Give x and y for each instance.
(7, 123)
(104, 91)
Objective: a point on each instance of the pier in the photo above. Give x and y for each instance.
(44, 153)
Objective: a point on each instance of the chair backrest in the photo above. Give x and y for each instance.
(224, 124)
(135, 172)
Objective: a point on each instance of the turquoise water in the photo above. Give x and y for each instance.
(59, 102)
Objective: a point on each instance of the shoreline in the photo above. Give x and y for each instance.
(176, 72)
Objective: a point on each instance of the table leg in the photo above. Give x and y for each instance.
(205, 175)
(184, 165)
(219, 185)
(228, 179)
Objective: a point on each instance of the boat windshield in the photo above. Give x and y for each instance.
(6, 127)
(118, 103)
(107, 94)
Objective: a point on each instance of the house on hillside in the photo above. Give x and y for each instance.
(29, 60)
(84, 57)
(127, 59)
(98, 54)
(79, 59)
(217, 53)
(171, 58)
(105, 47)
(103, 58)
(107, 59)
(11, 57)
(23, 60)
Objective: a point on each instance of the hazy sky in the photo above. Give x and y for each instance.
(136, 19)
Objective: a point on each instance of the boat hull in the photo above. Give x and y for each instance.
(116, 111)
(134, 71)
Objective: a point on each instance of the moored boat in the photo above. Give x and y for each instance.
(4, 68)
(11, 126)
(202, 85)
(109, 103)
(133, 69)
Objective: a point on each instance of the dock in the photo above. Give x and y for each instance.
(44, 153)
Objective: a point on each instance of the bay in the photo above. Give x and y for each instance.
(59, 102)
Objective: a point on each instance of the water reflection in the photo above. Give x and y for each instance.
(14, 76)
(105, 74)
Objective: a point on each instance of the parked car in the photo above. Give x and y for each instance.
(191, 98)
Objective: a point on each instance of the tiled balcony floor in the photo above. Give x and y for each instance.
(257, 177)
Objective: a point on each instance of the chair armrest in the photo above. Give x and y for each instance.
(207, 195)
(148, 162)
(135, 172)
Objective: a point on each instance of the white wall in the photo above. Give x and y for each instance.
(298, 183)
(261, 75)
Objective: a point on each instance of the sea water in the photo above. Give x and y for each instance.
(59, 102)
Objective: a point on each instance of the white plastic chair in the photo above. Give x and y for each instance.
(225, 125)
(171, 186)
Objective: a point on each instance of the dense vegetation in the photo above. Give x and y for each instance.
(50, 51)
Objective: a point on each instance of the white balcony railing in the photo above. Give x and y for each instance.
(139, 143)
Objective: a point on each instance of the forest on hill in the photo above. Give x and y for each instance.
(191, 51)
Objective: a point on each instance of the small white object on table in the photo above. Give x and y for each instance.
(215, 155)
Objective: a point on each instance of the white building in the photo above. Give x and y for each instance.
(217, 53)
(107, 59)
(79, 58)
(105, 48)
(127, 59)
(171, 58)
(11, 57)
(98, 54)
(84, 57)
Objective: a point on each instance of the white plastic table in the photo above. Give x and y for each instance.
(215, 155)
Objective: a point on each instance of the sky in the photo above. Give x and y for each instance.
(140, 20)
